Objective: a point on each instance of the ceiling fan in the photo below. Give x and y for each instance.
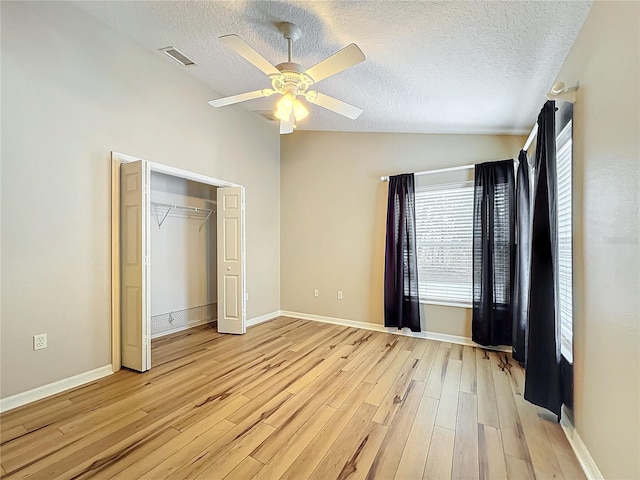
(290, 80)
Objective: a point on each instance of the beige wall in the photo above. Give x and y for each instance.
(333, 208)
(605, 60)
(73, 90)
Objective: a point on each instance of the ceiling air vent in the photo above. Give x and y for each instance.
(178, 56)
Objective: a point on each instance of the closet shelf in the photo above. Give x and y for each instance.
(184, 211)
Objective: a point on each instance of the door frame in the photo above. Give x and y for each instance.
(116, 160)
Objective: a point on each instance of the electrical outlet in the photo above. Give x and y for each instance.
(40, 341)
(339, 294)
(316, 293)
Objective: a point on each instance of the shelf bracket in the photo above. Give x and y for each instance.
(171, 207)
(205, 221)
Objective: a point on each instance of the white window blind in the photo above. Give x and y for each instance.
(501, 246)
(565, 255)
(444, 234)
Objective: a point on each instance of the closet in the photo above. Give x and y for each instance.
(183, 254)
(178, 256)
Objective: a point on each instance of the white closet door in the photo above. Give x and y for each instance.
(136, 348)
(231, 262)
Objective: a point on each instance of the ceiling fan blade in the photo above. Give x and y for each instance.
(333, 104)
(285, 127)
(347, 57)
(242, 97)
(243, 49)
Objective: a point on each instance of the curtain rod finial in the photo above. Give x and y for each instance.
(560, 92)
(384, 179)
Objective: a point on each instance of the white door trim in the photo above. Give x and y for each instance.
(116, 358)
(116, 160)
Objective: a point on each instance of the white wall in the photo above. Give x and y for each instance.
(183, 250)
(334, 211)
(73, 90)
(605, 59)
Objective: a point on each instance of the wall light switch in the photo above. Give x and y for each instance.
(339, 294)
(316, 293)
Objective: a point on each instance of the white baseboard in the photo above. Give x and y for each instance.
(181, 328)
(263, 318)
(445, 337)
(39, 393)
(333, 320)
(441, 337)
(249, 323)
(591, 470)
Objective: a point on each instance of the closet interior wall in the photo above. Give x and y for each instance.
(183, 254)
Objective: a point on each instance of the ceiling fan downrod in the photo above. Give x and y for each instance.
(291, 33)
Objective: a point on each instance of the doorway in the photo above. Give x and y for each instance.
(147, 197)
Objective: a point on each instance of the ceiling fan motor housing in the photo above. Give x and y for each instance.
(292, 80)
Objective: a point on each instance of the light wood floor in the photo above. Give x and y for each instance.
(293, 399)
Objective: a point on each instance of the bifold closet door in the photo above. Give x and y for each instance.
(231, 262)
(134, 251)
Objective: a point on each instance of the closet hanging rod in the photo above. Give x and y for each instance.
(440, 170)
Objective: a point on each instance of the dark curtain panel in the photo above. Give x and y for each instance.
(523, 260)
(542, 383)
(401, 302)
(493, 253)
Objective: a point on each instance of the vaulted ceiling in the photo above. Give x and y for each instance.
(436, 67)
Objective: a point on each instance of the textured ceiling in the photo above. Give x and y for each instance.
(438, 67)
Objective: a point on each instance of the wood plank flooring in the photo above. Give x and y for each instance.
(293, 399)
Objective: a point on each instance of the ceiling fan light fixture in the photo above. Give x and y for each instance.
(299, 110)
(284, 107)
(289, 105)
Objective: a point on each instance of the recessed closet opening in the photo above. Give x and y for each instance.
(178, 257)
(183, 284)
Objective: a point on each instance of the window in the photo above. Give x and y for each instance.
(500, 241)
(444, 234)
(565, 255)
